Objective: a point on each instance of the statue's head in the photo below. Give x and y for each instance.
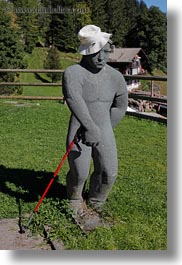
(95, 46)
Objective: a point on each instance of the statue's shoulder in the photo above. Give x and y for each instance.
(73, 69)
(115, 73)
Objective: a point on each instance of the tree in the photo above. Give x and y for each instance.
(157, 38)
(64, 32)
(83, 14)
(99, 14)
(28, 20)
(150, 33)
(11, 49)
(116, 21)
(53, 62)
(137, 33)
(131, 11)
(64, 26)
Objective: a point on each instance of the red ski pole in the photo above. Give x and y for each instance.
(75, 141)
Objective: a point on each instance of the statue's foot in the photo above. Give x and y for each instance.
(96, 206)
(85, 217)
(77, 207)
(89, 220)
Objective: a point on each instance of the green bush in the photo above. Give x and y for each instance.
(53, 62)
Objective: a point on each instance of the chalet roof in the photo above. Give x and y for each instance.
(124, 54)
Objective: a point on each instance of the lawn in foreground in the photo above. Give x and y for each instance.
(33, 141)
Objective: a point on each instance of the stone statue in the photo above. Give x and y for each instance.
(97, 97)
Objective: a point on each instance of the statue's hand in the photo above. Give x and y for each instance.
(92, 136)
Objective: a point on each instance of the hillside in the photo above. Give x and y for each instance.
(131, 23)
(36, 61)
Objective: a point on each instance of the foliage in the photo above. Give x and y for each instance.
(28, 23)
(11, 50)
(136, 206)
(150, 33)
(65, 25)
(53, 62)
(157, 48)
(115, 22)
(131, 23)
(33, 24)
(99, 13)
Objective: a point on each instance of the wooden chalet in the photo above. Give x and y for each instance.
(129, 61)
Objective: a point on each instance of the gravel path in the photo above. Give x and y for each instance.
(11, 239)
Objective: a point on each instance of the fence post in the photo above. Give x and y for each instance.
(152, 88)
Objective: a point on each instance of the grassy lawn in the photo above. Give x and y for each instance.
(32, 142)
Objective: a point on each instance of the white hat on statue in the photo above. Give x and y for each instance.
(92, 39)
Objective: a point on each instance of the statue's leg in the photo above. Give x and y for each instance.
(105, 172)
(79, 162)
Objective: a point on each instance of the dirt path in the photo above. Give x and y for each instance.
(11, 239)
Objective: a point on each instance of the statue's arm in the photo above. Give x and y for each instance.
(120, 103)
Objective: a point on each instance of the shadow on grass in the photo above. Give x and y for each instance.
(39, 77)
(28, 185)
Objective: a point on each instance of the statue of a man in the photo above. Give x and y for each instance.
(97, 97)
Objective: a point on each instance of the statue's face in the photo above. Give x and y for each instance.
(98, 60)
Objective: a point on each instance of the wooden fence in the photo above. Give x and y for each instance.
(150, 97)
(142, 96)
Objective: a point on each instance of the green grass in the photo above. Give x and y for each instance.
(33, 141)
(36, 61)
(146, 84)
(162, 84)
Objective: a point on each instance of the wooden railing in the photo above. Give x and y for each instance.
(150, 97)
(142, 96)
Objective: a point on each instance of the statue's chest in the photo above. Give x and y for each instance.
(98, 89)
